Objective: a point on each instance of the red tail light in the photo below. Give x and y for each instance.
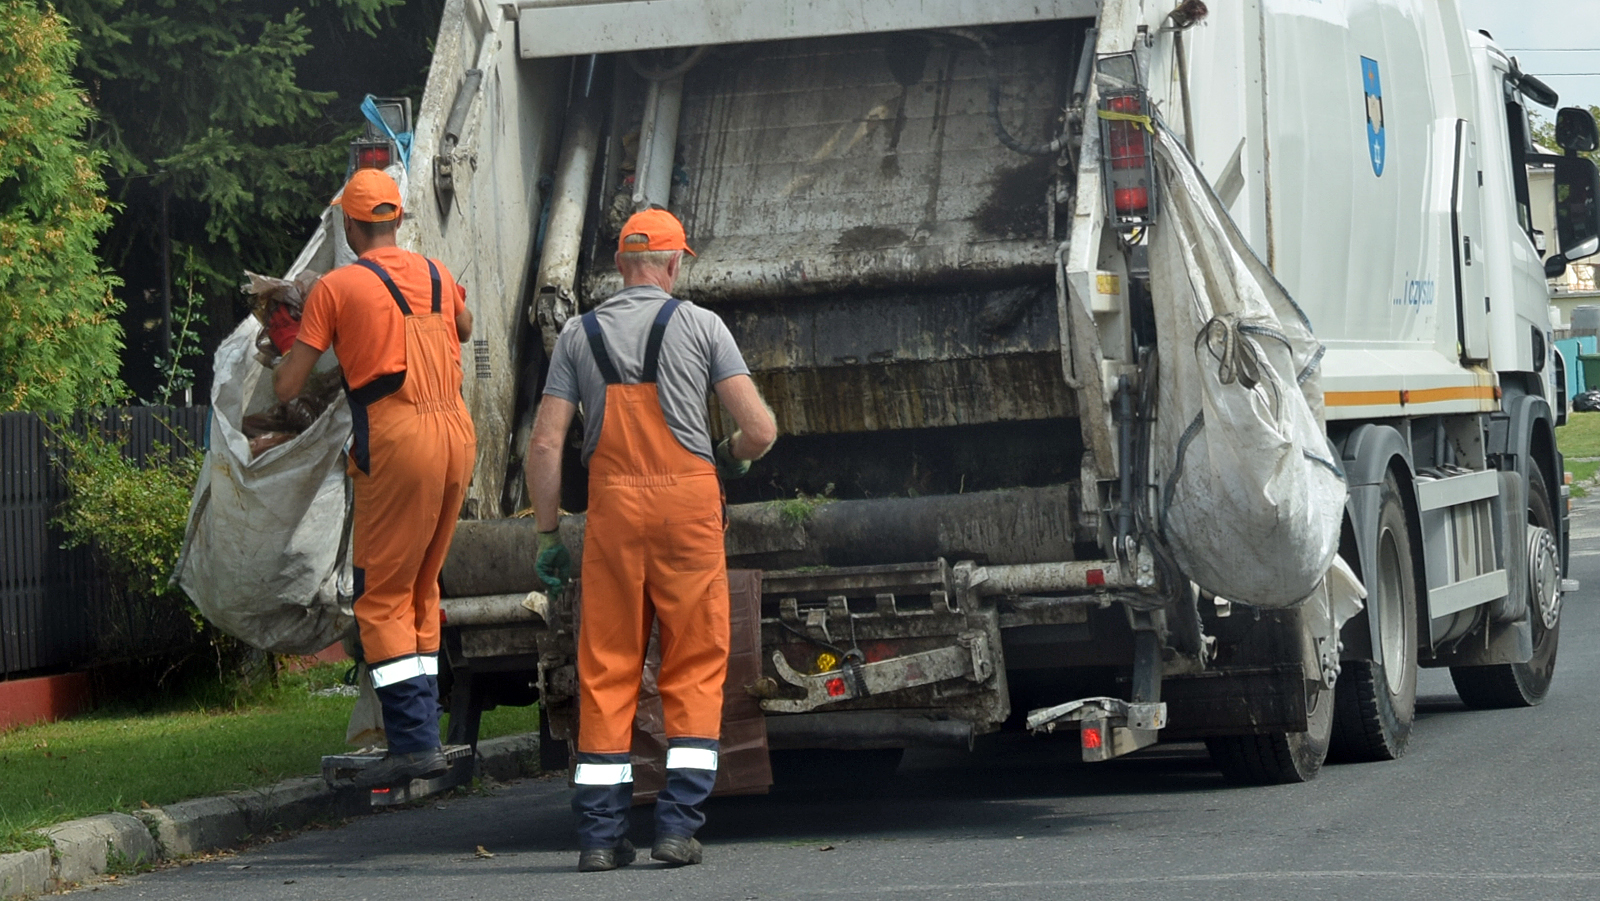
(1127, 149)
(1127, 146)
(1128, 152)
(374, 156)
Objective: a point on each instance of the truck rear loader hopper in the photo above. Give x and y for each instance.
(909, 216)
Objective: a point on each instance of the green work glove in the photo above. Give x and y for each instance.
(554, 564)
(729, 466)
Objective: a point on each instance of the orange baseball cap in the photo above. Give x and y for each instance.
(652, 230)
(367, 190)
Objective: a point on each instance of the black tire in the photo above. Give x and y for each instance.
(1521, 684)
(1376, 700)
(1278, 758)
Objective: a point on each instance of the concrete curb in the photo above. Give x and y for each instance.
(117, 841)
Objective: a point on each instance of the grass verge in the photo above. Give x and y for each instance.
(118, 759)
(1578, 439)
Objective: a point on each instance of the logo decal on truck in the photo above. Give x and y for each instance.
(1373, 85)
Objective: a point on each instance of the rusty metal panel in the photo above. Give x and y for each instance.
(744, 767)
(867, 162)
(916, 395)
(904, 361)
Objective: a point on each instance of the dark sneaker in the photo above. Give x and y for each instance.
(676, 850)
(399, 769)
(597, 860)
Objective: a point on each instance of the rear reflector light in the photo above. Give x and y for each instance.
(1091, 737)
(835, 687)
(1095, 577)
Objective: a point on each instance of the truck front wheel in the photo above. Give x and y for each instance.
(1526, 684)
(1377, 698)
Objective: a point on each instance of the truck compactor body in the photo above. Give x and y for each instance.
(929, 225)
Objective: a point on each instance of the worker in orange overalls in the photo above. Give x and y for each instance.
(396, 321)
(640, 366)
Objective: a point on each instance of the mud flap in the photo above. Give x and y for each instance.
(743, 766)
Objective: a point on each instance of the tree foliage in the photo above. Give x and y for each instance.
(59, 336)
(1544, 132)
(221, 136)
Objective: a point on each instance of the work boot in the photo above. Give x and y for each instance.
(400, 769)
(676, 850)
(595, 860)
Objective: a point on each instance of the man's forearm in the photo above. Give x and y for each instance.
(544, 485)
(291, 373)
(543, 466)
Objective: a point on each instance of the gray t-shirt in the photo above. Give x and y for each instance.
(697, 351)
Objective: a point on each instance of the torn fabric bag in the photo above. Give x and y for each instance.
(1251, 495)
(262, 555)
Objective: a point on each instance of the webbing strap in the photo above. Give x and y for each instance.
(597, 343)
(394, 290)
(658, 331)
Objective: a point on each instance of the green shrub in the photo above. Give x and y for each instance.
(132, 516)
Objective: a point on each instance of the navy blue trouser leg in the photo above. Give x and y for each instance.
(410, 699)
(691, 774)
(604, 794)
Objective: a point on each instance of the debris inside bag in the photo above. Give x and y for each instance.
(281, 422)
(276, 303)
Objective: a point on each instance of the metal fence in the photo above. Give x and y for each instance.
(57, 610)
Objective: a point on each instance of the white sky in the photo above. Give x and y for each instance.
(1530, 29)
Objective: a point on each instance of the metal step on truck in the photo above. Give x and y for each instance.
(953, 240)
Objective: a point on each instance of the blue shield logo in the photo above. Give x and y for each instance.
(1373, 86)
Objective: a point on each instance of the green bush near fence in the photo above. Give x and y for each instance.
(133, 516)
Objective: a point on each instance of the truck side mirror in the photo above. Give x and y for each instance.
(1577, 212)
(1576, 131)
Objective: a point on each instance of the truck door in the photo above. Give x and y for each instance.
(1472, 296)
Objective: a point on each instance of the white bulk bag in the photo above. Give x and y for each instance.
(1251, 495)
(262, 551)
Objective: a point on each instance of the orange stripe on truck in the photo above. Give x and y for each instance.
(1403, 398)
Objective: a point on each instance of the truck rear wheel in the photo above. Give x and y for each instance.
(1278, 758)
(1526, 684)
(1376, 700)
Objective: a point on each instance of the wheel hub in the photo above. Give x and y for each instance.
(1388, 608)
(1544, 575)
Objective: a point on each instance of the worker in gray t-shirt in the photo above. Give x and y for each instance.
(641, 366)
(697, 351)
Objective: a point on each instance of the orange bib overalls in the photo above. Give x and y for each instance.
(652, 553)
(410, 462)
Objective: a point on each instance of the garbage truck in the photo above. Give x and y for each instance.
(1146, 370)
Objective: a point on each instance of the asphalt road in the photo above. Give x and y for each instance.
(1501, 804)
